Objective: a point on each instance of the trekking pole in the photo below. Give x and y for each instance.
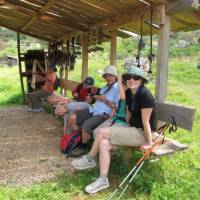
(134, 170)
(146, 154)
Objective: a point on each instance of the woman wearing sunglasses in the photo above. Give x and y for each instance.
(140, 117)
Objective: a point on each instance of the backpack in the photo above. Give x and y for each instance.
(69, 142)
(56, 83)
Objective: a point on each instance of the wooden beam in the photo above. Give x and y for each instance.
(162, 60)
(20, 66)
(84, 56)
(182, 6)
(49, 4)
(2, 2)
(113, 47)
(121, 20)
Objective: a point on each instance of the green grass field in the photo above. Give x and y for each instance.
(175, 177)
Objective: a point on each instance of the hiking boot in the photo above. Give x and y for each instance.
(79, 151)
(96, 186)
(83, 163)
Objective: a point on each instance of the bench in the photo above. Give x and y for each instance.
(184, 117)
(68, 84)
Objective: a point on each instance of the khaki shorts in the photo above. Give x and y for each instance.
(127, 136)
(106, 123)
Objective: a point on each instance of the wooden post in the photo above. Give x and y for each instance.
(20, 66)
(84, 57)
(113, 46)
(162, 60)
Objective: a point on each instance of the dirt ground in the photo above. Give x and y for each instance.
(29, 147)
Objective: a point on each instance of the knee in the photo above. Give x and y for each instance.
(104, 145)
(102, 133)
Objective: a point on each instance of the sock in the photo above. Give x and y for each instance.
(89, 157)
(103, 178)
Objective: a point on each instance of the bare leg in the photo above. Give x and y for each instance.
(104, 156)
(103, 133)
(85, 136)
(72, 122)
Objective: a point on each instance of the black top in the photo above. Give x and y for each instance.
(142, 99)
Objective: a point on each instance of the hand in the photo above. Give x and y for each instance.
(100, 97)
(75, 94)
(145, 147)
(60, 110)
(88, 99)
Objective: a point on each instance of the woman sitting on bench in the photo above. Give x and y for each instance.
(141, 119)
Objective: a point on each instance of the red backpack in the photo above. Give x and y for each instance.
(68, 142)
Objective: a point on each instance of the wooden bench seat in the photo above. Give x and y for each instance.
(68, 84)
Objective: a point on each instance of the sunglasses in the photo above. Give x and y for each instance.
(134, 77)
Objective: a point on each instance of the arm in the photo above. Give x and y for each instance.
(146, 114)
(75, 91)
(102, 98)
(121, 88)
(128, 115)
(37, 63)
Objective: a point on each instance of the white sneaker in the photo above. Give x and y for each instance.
(30, 110)
(83, 163)
(96, 186)
(37, 110)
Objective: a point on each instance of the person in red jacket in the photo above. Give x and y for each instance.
(83, 90)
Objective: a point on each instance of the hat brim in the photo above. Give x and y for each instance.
(125, 77)
(103, 75)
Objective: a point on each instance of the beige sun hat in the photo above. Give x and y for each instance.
(110, 69)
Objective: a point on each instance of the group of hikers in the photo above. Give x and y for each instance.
(120, 113)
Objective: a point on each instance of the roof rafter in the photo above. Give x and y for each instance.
(49, 4)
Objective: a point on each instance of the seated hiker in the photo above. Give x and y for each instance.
(47, 89)
(82, 94)
(83, 90)
(119, 117)
(141, 119)
(89, 119)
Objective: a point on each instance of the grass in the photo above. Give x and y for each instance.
(174, 177)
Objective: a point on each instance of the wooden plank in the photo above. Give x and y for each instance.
(113, 47)
(83, 5)
(184, 116)
(76, 11)
(20, 66)
(162, 60)
(103, 5)
(31, 34)
(84, 56)
(68, 84)
(37, 16)
(2, 2)
(128, 17)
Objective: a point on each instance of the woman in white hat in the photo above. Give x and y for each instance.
(141, 119)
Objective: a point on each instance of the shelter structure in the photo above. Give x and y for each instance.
(59, 20)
